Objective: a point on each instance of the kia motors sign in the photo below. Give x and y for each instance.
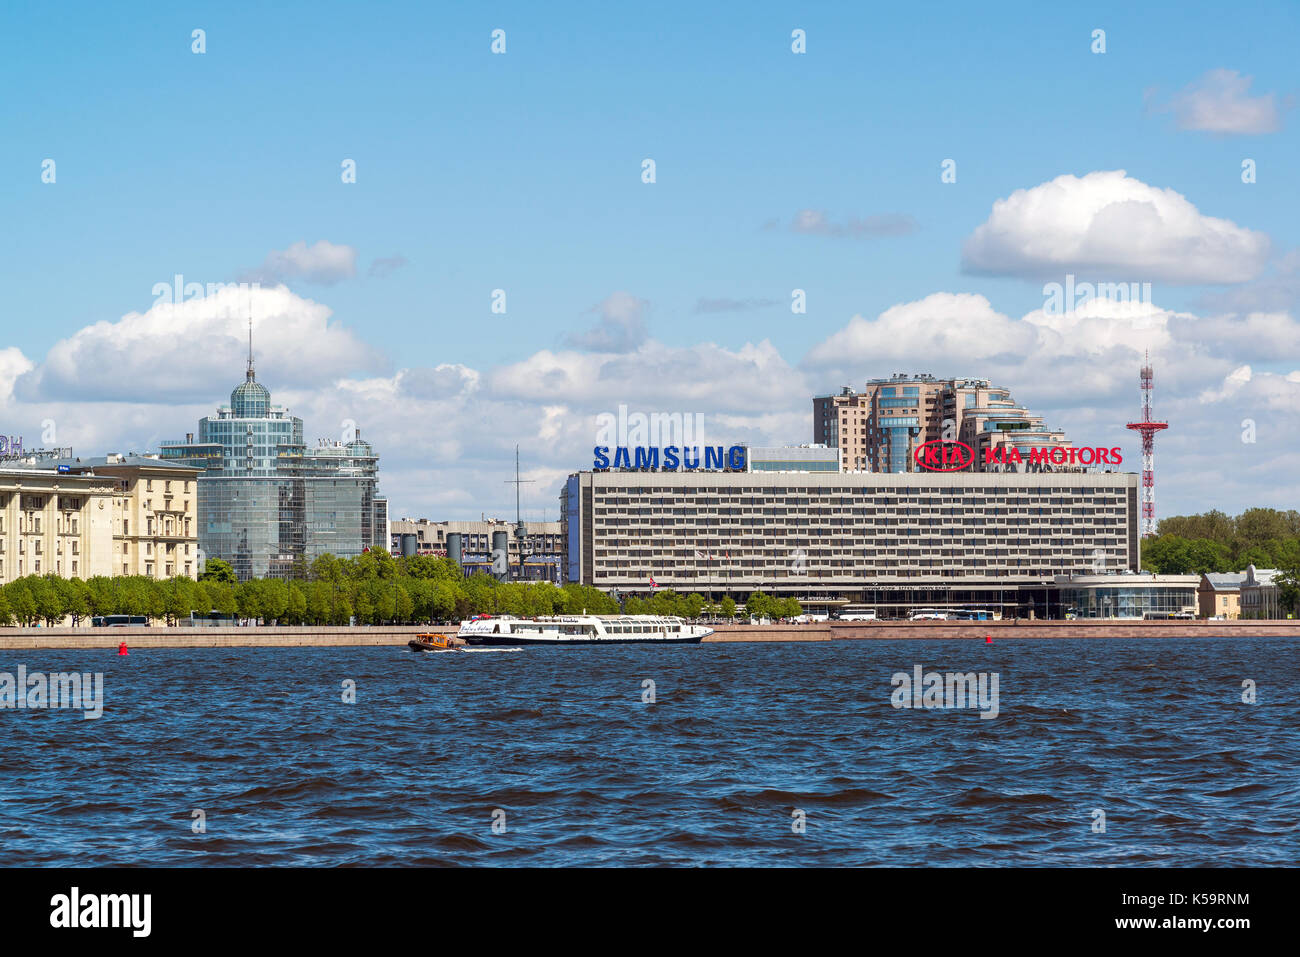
(946, 455)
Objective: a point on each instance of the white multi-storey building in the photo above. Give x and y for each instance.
(892, 540)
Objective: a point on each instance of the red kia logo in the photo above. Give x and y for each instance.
(943, 455)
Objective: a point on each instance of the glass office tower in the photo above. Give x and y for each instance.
(269, 504)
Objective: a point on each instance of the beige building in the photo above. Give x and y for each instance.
(112, 515)
(53, 523)
(1220, 595)
(155, 516)
(880, 428)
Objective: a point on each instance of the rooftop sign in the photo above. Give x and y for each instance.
(946, 455)
(672, 458)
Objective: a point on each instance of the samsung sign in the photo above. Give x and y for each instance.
(672, 458)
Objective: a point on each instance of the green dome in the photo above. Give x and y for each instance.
(251, 399)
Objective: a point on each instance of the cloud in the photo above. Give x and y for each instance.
(324, 263)
(1220, 102)
(446, 433)
(815, 222)
(732, 305)
(195, 350)
(1109, 224)
(1278, 290)
(621, 327)
(385, 267)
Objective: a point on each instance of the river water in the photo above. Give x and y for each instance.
(736, 754)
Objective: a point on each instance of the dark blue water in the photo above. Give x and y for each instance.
(1151, 732)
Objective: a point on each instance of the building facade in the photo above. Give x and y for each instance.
(889, 540)
(1129, 596)
(1259, 594)
(540, 559)
(880, 428)
(1219, 595)
(155, 514)
(269, 503)
(57, 524)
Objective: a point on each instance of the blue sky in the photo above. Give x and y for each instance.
(522, 172)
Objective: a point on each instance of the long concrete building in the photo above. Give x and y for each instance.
(888, 540)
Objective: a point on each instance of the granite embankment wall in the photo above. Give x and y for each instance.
(160, 637)
(288, 637)
(999, 630)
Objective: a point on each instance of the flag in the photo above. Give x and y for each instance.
(653, 584)
(703, 555)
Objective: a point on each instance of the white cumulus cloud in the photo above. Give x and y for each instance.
(1110, 224)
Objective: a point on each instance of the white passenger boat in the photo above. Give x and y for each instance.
(582, 630)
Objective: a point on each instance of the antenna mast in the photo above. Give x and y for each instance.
(521, 532)
(1148, 428)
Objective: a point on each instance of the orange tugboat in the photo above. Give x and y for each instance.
(431, 642)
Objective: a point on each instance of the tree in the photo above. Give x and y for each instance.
(181, 598)
(218, 570)
(1288, 590)
(248, 598)
(21, 602)
(296, 610)
(275, 599)
(694, 605)
(49, 599)
(405, 604)
(728, 607)
(76, 598)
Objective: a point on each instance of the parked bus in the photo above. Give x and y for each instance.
(930, 614)
(118, 621)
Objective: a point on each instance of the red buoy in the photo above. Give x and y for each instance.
(988, 639)
(121, 649)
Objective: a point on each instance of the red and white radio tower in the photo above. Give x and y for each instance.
(1148, 428)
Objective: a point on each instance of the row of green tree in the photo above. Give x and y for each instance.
(1216, 542)
(373, 588)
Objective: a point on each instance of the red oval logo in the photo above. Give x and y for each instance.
(945, 455)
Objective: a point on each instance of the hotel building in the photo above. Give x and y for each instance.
(880, 428)
(890, 540)
(270, 504)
